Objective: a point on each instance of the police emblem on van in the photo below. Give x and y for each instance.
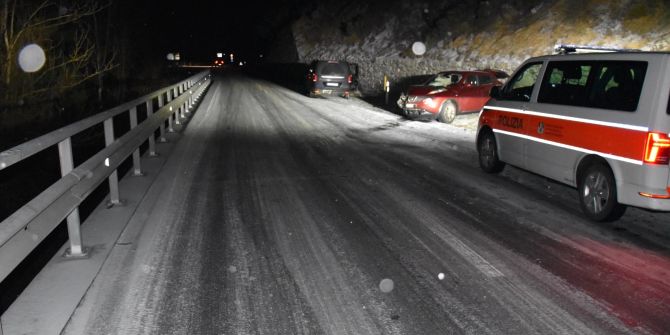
(540, 128)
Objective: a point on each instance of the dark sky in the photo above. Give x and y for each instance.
(198, 29)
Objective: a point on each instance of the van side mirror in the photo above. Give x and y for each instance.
(495, 92)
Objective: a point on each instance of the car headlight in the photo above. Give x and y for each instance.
(430, 102)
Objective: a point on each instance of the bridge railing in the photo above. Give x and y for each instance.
(23, 230)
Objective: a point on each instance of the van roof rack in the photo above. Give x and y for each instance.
(564, 49)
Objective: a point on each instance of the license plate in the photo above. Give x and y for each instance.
(332, 84)
(410, 105)
(327, 91)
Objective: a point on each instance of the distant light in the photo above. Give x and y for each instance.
(177, 56)
(418, 48)
(241, 63)
(260, 56)
(219, 55)
(232, 58)
(32, 58)
(440, 276)
(170, 56)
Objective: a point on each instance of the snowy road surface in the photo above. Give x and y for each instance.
(281, 214)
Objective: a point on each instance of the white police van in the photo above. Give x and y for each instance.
(596, 121)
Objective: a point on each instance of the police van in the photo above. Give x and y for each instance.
(599, 122)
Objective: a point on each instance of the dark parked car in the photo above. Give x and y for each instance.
(449, 93)
(330, 77)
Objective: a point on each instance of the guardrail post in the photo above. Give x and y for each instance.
(152, 140)
(169, 98)
(76, 248)
(180, 112)
(137, 164)
(185, 89)
(175, 94)
(114, 199)
(161, 103)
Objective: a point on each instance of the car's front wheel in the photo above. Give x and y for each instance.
(598, 194)
(448, 111)
(488, 153)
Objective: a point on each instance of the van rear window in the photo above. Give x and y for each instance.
(601, 84)
(333, 69)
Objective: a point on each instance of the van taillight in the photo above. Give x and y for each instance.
(315, 77)
(657, 150)
(350, 79)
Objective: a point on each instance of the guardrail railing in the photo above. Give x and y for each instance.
(23, 230)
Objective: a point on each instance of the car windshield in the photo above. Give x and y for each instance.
(444, 79)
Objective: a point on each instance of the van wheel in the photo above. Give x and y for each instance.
(488, 153)
(448, 111)
(597, 194)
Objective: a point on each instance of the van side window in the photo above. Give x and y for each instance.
(520, 87)
(565, 83)
(606, 84)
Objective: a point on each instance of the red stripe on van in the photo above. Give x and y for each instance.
(626, 143)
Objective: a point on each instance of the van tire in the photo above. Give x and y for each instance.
(487, 149)
(598, 194)
(448, 111)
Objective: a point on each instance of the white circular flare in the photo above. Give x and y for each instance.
(386, 285)
(440, 276)
(418, 48)
(32, 58)
(170, 56)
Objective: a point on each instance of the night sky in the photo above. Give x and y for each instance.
(198, 29)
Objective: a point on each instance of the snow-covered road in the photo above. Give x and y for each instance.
(281, 214)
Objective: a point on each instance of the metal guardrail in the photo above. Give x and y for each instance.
(22, 231)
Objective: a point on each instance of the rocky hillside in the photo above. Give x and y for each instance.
(469, 34)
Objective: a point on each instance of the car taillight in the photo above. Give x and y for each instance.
(350, 79)
(315, 77)
(657, 150)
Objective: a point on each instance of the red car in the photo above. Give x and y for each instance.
(449, 93)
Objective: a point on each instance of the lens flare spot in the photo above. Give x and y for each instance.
(386, 285)
(418, 48)
(32, 58)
